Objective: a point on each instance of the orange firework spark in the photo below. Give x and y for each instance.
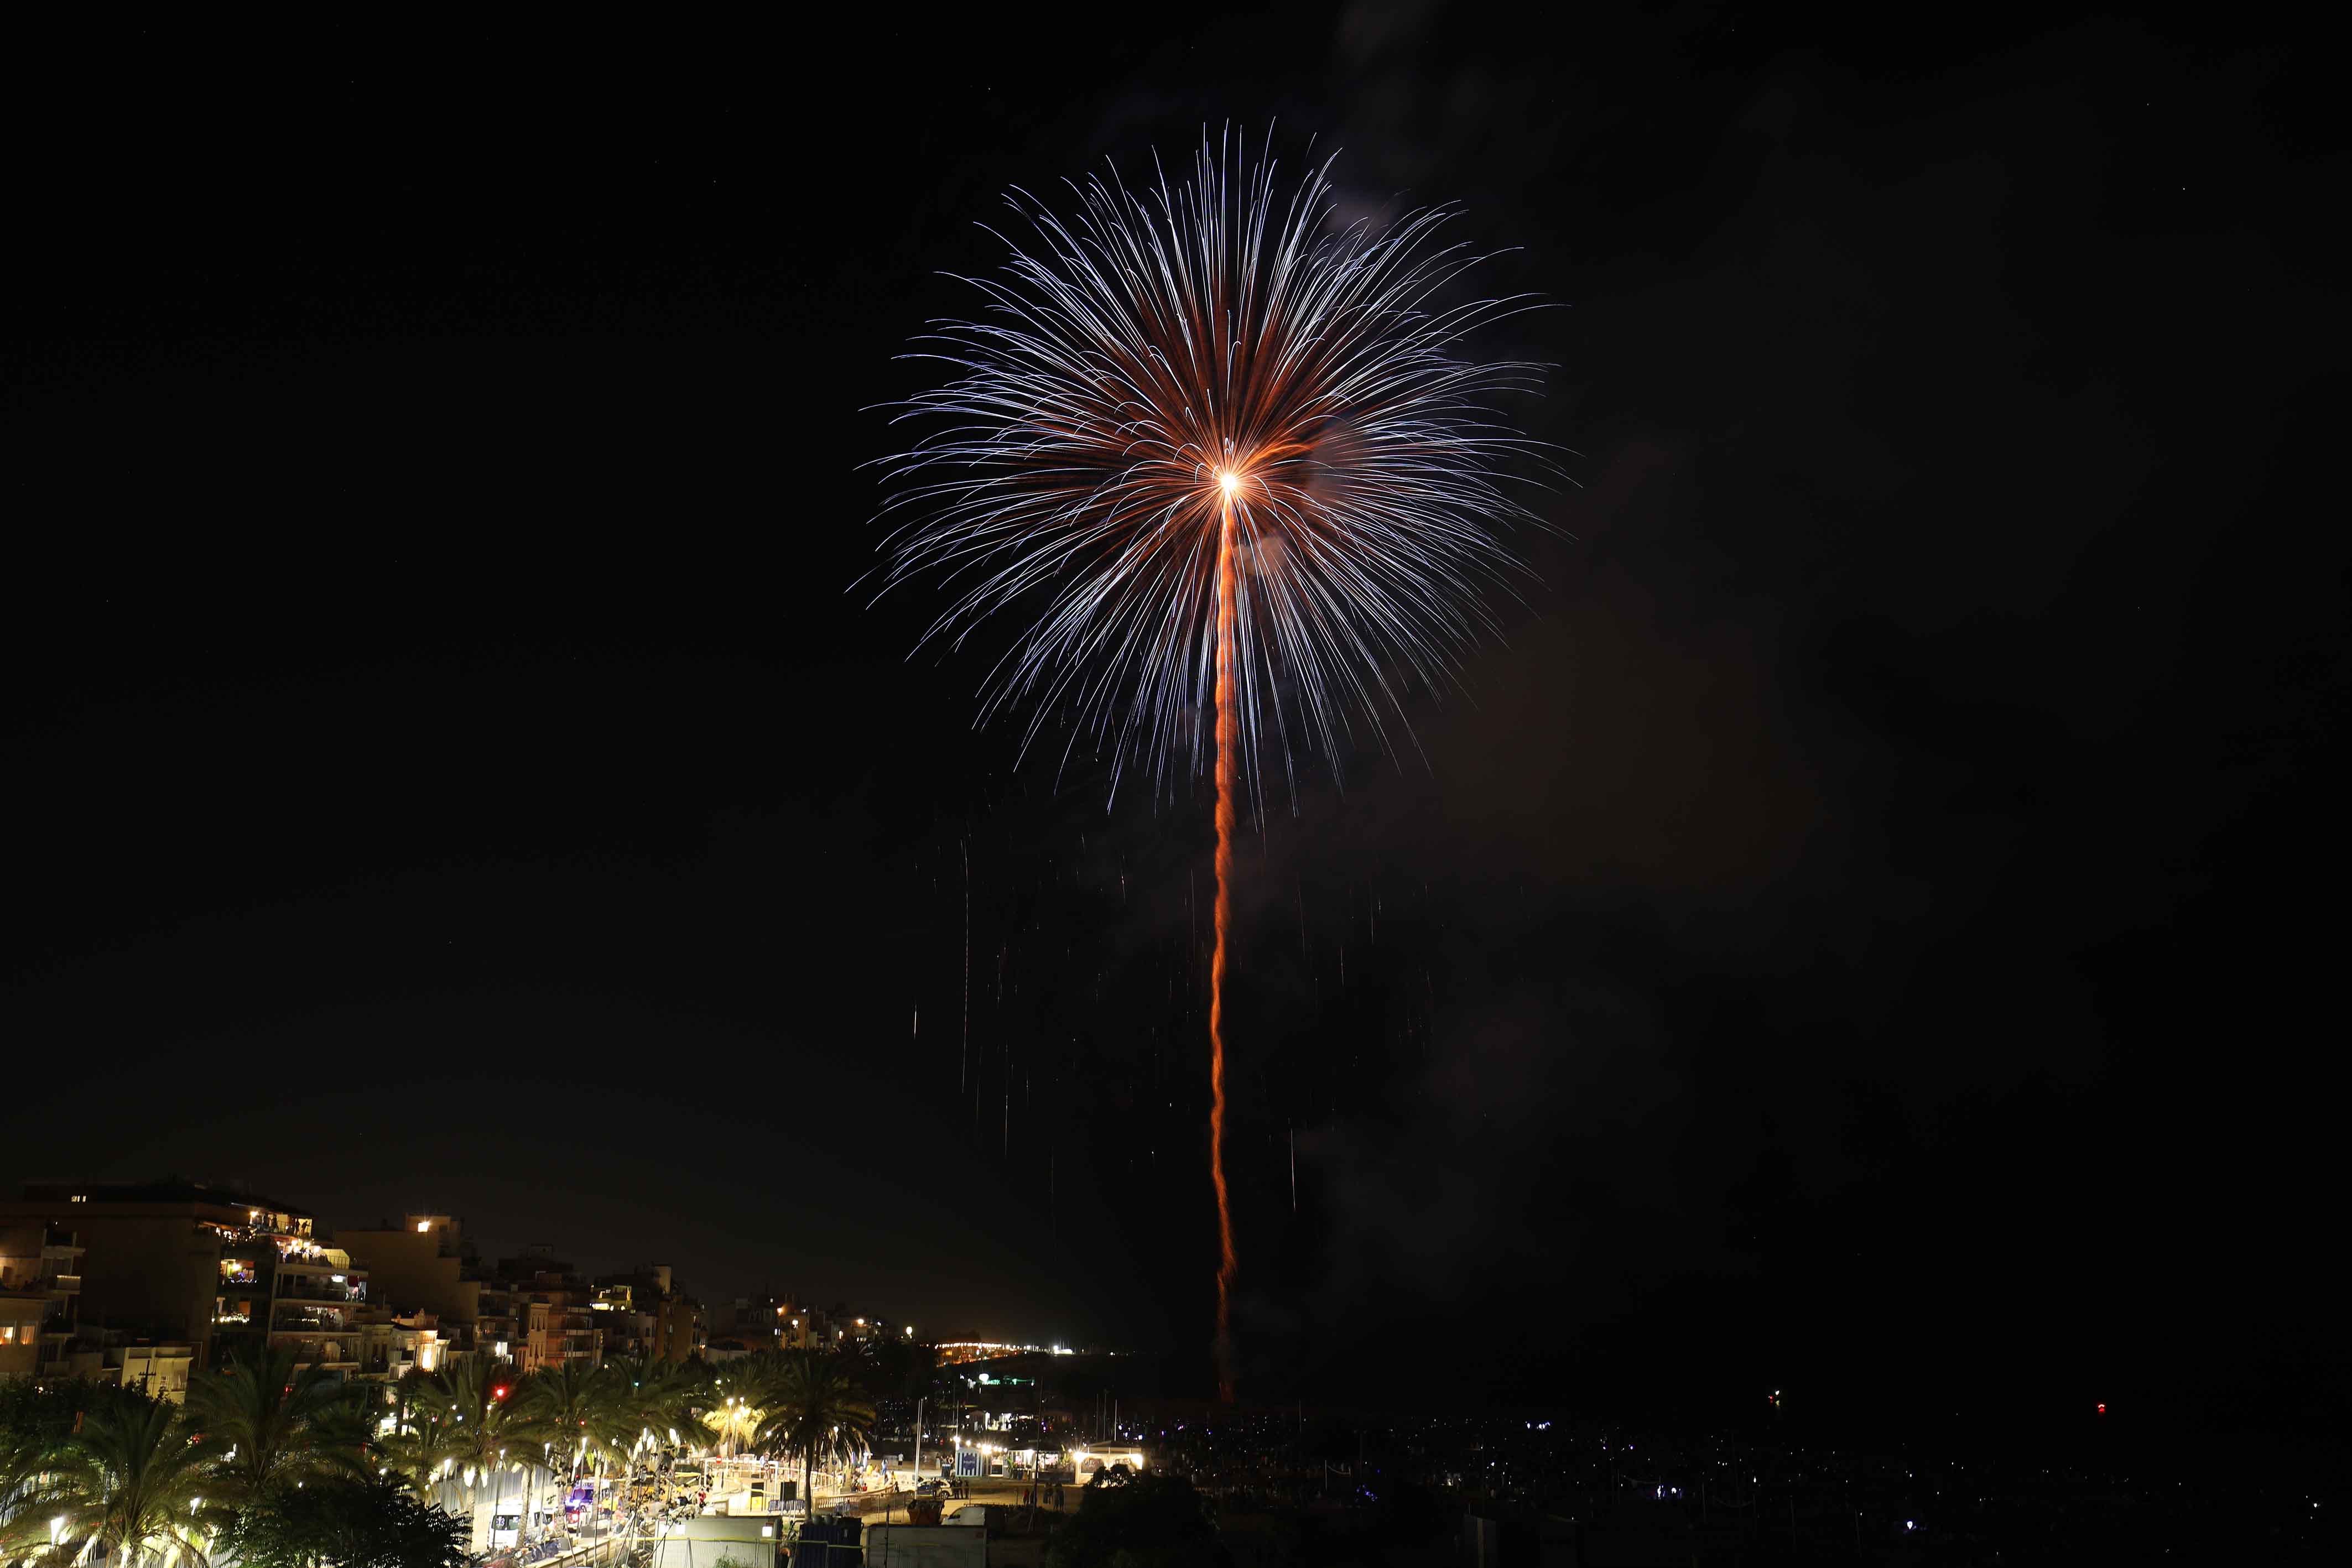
(1211, 444)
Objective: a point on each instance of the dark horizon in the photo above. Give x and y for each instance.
(1858, 933)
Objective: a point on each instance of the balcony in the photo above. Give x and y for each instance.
(299, 1320)
(304, 1289)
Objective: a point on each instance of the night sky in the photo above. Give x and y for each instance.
(1873, 929)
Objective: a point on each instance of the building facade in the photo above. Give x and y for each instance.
(179, 1263)
(146, 1282)
(663, 1322)
(544, 1312)
(39, 1262)
(22, 1313)
(425, 1283)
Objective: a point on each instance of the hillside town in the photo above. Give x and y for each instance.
(140, 1284)
(190, 1374)
(515, 1408)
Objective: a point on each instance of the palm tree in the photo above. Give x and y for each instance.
(463, 1428)
(813, 1409)
(640, 1416)
(35, 1420)
(261, 1424)
(30, 1494)
(134, 1480)
(732, 1407)
(562, 1406)
(661, 1404)
(411, 1451)
(735, 1423)
(415, 1454)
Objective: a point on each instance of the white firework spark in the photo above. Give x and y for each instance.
(1180, 372)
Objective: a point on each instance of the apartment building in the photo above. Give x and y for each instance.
(757, 1322)
(663, 1322)
(543, 1309)
(424, 1280)
(40, 1295)
(678, 1331)
(21, 1316)
(182, 1264)
(281, 1289)
(629, 1325)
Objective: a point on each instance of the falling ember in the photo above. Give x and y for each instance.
(963, 1077)
(1228, 1261)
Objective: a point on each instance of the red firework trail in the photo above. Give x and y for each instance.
(1228, 1259)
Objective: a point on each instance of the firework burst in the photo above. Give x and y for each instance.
(1214, 451)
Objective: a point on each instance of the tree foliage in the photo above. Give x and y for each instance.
(263, 1424)
(372, 1524)
(287, 1466)
(134, 1481)
(1152, 1520)
(813, 1409)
